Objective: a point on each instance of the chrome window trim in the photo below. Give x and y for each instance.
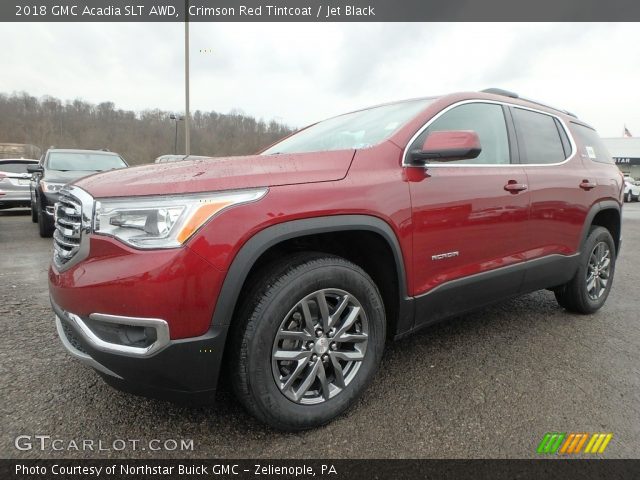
(161, 327)
(405, 152)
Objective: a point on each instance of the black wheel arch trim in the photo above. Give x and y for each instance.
(593, 211)
(258, 244)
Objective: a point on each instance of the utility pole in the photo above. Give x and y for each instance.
(187, 138)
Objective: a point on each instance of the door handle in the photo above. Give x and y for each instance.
(587, 185)
(515, 187)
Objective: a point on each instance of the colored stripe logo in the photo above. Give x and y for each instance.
(572, 443)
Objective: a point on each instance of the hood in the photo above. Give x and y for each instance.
(221, 173)
(59, 176)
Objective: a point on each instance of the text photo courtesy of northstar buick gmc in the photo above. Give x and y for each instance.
(290, 269)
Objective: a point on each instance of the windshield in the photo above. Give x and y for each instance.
(15, 167)
(90, 162)
(351, 131)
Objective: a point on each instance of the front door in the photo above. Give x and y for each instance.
(469, 217)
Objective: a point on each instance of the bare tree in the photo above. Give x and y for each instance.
(138, 136)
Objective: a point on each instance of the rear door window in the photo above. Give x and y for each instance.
(539, 139)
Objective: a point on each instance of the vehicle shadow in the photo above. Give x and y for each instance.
(431, 345)
(15, 212)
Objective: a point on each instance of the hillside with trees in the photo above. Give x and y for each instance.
(139, 137)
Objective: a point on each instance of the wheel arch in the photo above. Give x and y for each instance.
(607, 214)
(254, 252)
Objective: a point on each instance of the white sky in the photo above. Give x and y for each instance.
(299, 73)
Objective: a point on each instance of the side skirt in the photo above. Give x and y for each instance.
(483, 289)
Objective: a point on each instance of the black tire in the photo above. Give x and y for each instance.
(574, 295)
(34, 214)
(45, 224)
(627, 197)
(275, 294)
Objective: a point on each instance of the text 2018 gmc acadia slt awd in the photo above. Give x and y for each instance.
(290, 269)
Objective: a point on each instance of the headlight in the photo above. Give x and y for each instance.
(163, 221)
(49, 187)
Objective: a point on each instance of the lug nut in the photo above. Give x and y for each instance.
(314, 357)
(310, 345)
(334, 346)
(325, 358)
(318, 333)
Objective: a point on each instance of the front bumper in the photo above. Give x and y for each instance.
(48, 201)
(178, 370)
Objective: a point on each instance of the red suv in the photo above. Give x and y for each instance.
(292, 268)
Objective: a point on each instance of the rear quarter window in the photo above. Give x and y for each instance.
(591, 146)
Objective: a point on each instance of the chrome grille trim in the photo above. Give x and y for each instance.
(72, 213)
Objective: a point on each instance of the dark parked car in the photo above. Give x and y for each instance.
(14, 182)
(57, 168)
(296, 265)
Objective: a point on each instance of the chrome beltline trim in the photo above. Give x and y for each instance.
(574, 148)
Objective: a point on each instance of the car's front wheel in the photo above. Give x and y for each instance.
(45, 224)
(309, 340)
(34, 214)
(589, 288)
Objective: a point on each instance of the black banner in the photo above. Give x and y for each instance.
(318, 10)
(626, 161)
(320, 469)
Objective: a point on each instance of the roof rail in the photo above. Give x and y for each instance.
(507, 93)
(549, 106)
(500, 91)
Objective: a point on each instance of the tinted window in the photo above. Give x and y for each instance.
(538, 137)
(486, 119)
(592, 146)
(354, 130)
(15, 167)
(91, 162)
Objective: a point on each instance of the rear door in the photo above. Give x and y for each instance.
(469, 224)
(558, 203)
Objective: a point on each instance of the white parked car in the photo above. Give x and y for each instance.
(631, 189)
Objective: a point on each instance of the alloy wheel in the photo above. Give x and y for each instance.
(319, 346)
(598, 270)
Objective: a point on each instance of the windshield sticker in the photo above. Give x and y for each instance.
(591, 152)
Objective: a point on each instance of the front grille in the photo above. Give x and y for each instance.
(68, 232)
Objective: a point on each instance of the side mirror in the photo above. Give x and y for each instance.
(35, 169)
(447, 146)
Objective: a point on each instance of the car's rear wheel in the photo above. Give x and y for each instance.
(590, 287)
(308, 342)
(627, 196)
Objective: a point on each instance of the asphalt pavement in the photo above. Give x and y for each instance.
(486, 385)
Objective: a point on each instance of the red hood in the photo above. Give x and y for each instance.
(223, 173)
